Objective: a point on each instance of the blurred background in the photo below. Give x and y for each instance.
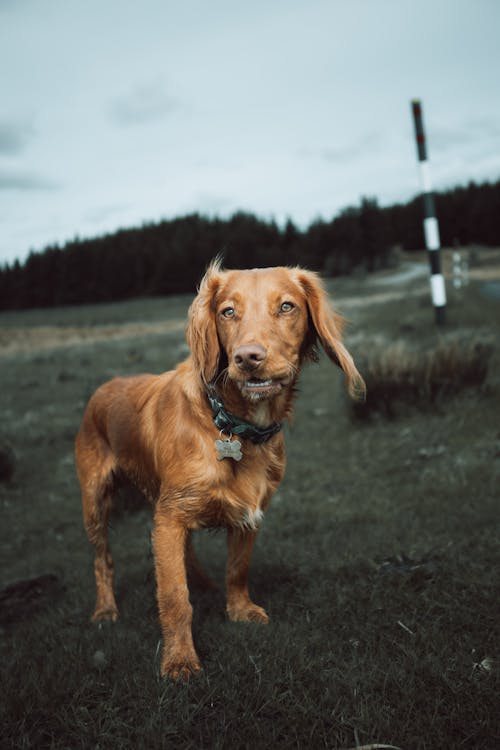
(159, 134)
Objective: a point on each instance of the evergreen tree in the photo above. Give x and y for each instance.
(170, 257)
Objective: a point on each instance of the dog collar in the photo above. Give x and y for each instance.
(231, 424)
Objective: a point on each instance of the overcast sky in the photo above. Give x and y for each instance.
(117, 113)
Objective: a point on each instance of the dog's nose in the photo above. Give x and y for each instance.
(250, 356)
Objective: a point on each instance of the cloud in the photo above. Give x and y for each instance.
(353, 150)
(348, 152)
(14, 136)
(145, 103)
(24, 181)
(8, 5)
(476, 132)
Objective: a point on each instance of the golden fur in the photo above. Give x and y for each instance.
(250, 332)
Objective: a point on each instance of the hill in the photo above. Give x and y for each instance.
(169, 257)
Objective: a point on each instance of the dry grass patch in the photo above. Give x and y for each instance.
(398, 375)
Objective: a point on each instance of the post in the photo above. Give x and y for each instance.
(457, 269)
(431, 226)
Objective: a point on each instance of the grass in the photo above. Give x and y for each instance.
(397, 375)
(141, 309)
(377, 563)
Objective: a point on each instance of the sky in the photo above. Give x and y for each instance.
(115, 114)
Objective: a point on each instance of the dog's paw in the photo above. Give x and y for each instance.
(108, 614)
(180, 669)
(247, 612)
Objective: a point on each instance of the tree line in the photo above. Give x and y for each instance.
(169, 257)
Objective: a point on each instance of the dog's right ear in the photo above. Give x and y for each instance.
(201, 332)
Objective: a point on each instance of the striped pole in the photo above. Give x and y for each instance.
(431, 227)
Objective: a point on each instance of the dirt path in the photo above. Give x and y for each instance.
(410, 272)
(41, 338)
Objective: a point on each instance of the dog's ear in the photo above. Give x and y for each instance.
(326, 326)
(201, 332)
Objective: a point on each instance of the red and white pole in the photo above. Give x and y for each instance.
(431, 226)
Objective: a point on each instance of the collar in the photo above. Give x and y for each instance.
(228, 422)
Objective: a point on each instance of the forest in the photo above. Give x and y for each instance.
(169, 257)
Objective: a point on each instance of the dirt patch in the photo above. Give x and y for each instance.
(39, 338)
(379, 298)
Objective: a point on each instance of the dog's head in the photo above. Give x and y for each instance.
(261, 325)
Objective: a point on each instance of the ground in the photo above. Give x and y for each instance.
(377, 561)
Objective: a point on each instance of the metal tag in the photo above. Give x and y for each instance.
(228, 449)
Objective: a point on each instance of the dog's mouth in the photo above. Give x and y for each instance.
(256, 388)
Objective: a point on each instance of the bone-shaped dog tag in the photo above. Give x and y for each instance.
(228, 449)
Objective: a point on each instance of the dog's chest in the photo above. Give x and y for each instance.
(239, 491)
(226, 512)
(241, 498)
(220, 493)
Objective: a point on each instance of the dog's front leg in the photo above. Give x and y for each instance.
(239, 605)
(179, 658)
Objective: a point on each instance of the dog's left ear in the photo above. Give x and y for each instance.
(201, 332)
(327, 326)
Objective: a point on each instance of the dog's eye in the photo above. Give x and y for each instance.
(228, 312)
(287, 306)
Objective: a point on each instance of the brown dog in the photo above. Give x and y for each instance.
(203, 441)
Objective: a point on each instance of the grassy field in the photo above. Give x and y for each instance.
(377, 562)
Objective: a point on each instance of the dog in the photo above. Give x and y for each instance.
(203, 442)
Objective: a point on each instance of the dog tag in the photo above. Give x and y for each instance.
(228, 449)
